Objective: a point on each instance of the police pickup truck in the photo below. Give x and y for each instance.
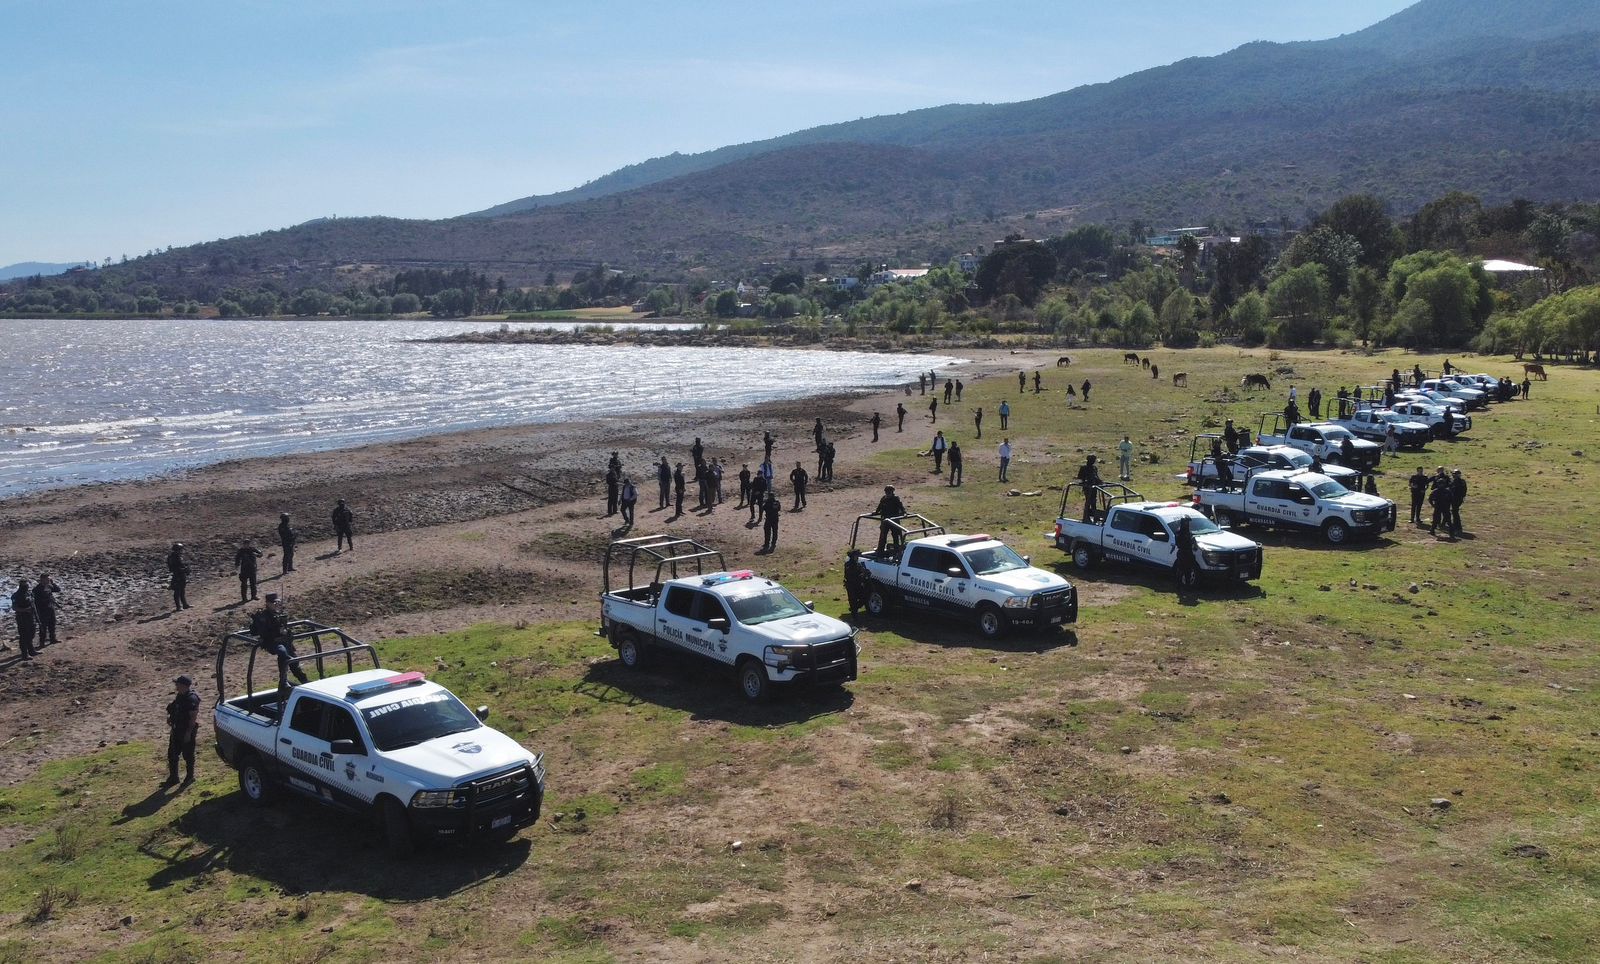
(974, 578)
(376, 742)
(1203, 470)
(1124, 527)
(1308, 501)
(1469, 397)
(1444, 421)
(1371, 422)
(1322, 439)
(679, 595)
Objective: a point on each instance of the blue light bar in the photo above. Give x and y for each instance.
(363, 690)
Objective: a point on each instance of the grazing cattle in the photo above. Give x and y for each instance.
(1180, 380)
(1063, 361)
(1145, 362)
(1535, 371)
(1131, 358)
(1155, 371)
(1253, 382)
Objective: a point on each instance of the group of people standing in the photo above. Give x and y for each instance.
(34, 608)
(247, 557)
(1444, 493)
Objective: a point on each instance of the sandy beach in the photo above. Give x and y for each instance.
(501, 524)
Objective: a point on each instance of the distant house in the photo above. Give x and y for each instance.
(1170, 239)
(896, 275)
(1497, 267)
(968, 263)
(844, 283)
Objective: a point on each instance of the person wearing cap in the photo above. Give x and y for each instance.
(22, 609)
(1089, 475)
(286, 540)
(797, 481)
(855, 581)
(183, 725)
(244, 562)
(628, 498)
(889, 508)
(1419, 490)
(1439, 500)
(1458, 495)
(45, 591)
(774, 509)
(613, 488)
(344, 527)
(270, 626)
(179, 571)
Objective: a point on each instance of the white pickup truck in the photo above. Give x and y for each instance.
(1324, 440)
(1126, 528)
(1443, 421)
(1373, 423)
(976, 578)
(693, 604)
(1308, 501)
(1469, 397)
(377, 742)
(1203, 468)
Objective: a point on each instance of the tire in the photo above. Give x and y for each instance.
(1437, 430)
(1336, 532)
(1083, 557)
(253, 781)
(1189, 578)
(991, 621)
(752, 677)
(397, 838)
(1222, 517)
(630, 650)
(877, 603)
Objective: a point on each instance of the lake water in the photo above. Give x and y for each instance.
(92, 401)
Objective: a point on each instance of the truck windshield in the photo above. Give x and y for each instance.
(1336, 434)
(994, 559)
(1199, 525)
(1329, 490)
(416, 720)
(765, 606)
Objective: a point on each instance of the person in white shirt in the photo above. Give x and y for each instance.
(1005, 458)
(1125, 458)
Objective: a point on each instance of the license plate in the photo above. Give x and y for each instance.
(1056, 619)
(499, 822)
(1245, 576)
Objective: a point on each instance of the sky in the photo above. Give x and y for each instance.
(128, 125)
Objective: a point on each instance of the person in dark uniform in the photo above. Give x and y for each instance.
(1458, 495)
(1419, 491)
(758, 497)
(798, 479)
(677, 488)
(1347, 452)
(1230, 438)
(933, 410)
(1038, 383)
(664, 483)
(1089, 475)
(45, 592)
(1526, 384)
(744, 486)
(855, 581)
(977, 421)
(613, 485)
(1371, 485)
(183, 726)
(959, 389)
(773, 510)
(1183, 541)
(767, 442)
(822, 455)
(27, 624)
(270, 626)
(876, 421)
(889, 507)
(955, 463)
(828, 453)
(1439, 500)
(922, 383)
(178, 569)
(1086, 387)
(615, 462)
(900, 417)
(287, 539)
(244, 562)
(1022, 382)
(627, 499)
(1291, 415)
(697, 455)
(344, 527)
(949, 391)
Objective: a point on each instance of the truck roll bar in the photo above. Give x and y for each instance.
(299, 630)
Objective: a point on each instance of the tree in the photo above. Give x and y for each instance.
(1139, 328)
(725, 304)
(1365, 218)
(1302, 295)
(1249, 318)
(1548, 234)
(311, 301)
(1177, 316)
(1366, 294)
(1021, 269)
(787, 283)
(1189, 250)
(660, 302)
(1450, 222)
(1338, 254)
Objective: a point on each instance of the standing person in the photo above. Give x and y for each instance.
(244, 564)
(1458, 495)
(959, 389)
(744, 486)
(287, 538)
(45, 591)
(716, 479)
(1525, 386)
(1005, 414)
(1314, 402)
(933, 410)
(1038, 383)
(955, 463)
(816, 434)
(770, 530)
(677, 489)
(855, 581)
(922, 383)
(1439, 500)
(1419, 490)
(822, 456)
(767, 473)
(767, 442)
(344, 527)
(178, 569)
(949, 391)
(628, 499)
(828, 452)
(900, 417)
(1391, 440)
(27, 625)
(183, 726)
(1347, 452)
(615, 462)
(798, 479)
(1291, 414)
(758, 497)
(1183, 541)
(1005, 458)
(937, 448)
(697, 455)
(1371, 486)
(1125, 458)
(1089, 475)
(1022, 382)
(1086, 387)
(663, 483)
(1294, 395)
(613, 486)
(889, 508)
(977, 421)
(1230, 438)
(876, 421)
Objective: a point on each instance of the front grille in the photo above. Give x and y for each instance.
(835, 653)
(1054, 599)
(492, 789)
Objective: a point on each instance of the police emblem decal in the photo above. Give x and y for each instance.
(467, 748)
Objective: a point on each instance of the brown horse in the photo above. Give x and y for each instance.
(1155, 371)
(1131, 358)
(1063, 361)
(1145, 362)
(1180, 380)
(1528, 370)
(1252, 382)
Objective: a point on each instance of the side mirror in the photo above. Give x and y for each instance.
(955, 572)
(810, 606)
(719, 623)
(1028, 560)
(347, 748)
(482, 713)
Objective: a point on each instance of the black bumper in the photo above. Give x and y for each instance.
(827, 663)
(1242, 566)
(483, 813)
(1057, 608)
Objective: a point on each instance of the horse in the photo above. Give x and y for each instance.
(1529, 369)
(1180, 380)
(1145, 361)
(1255, 381)
(1155, 371)
(1131, 358)
(1063, 361)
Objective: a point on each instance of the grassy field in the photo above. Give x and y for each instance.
(1197, 777)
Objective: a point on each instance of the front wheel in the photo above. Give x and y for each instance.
(253, 781)
(877, 603)
(1336, 532)
(1082, 556)
(753, 680)
(1188, 577)
(991, 623)
(1438, 431)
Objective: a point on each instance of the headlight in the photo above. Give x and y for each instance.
(429, 799)
(1017, 602)
(1214, 558)
(788, 650)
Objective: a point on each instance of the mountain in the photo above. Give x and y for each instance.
(27, 269)
(1497, 97)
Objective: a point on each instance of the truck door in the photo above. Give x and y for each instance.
(1127, 539)
(675, 622)
(1267, 500)
(708, 641)
(350, 770)
(925, 579)
(1300, 505)
(1160, 541)
(307, 761)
